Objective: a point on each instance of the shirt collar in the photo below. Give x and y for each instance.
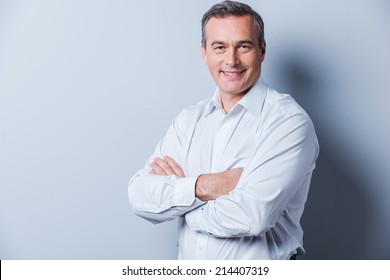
(252, 101)
(214, 103)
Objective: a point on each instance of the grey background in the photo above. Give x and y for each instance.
(87, 88)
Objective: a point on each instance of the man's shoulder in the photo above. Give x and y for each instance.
(190, 115)
(278, 103)
(195, 111)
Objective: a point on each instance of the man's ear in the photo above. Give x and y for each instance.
(263, 47)
(203, 51)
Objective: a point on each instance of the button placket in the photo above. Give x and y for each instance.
(220, 144)
(201, 246)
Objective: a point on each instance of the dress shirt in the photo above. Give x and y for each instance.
(268, 135)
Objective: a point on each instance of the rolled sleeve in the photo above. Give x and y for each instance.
(162, 198)
(184, 192)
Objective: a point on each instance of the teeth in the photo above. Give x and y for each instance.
(232, 74)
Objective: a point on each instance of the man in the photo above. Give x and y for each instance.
(235, 168)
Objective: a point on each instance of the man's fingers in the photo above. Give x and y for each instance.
(152, 172)
(166, 166)
(161, 167)
(156, 169)
(174, 165)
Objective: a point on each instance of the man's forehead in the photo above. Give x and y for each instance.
(241, 22)
(231, 18)
(231, 25)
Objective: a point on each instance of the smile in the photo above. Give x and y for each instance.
(233, 74)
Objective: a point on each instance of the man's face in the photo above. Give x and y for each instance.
(233, 54)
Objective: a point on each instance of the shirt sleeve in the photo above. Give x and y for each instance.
(282, 163)
(163, 198)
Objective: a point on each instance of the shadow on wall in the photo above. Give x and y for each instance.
(337, 210)
(336, 213)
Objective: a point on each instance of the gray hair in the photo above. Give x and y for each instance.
(233, 8)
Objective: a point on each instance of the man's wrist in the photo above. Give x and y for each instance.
(200, 187)
(206, 187)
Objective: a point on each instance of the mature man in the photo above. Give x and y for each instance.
(235, 168)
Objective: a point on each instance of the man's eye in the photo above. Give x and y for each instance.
(245, 48)
(219, 48)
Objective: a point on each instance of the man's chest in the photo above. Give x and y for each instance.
(220, 143)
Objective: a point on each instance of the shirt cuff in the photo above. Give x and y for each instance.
(194, 219)
(184, 194)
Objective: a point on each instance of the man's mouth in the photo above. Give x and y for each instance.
(233, 74)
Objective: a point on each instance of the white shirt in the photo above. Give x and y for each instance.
(273, 139)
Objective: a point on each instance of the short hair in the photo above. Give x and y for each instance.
(233, 8)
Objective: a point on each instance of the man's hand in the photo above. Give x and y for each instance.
(166, 166)
(208, 186)
(212, 186)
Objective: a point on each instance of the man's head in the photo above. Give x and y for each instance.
(233, 46)
(232, 8)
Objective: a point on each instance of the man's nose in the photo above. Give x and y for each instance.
(232, 57)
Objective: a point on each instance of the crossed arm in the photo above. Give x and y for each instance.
(208, 186)
(235, 202)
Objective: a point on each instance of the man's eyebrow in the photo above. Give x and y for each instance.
(242, 42)
(217, 43)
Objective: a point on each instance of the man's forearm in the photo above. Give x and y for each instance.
(208, 186)
(213, 185)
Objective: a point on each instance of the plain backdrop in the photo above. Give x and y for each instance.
(88, 87)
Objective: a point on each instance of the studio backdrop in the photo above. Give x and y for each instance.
(87, 89)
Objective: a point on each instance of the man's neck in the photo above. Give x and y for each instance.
(228, 102)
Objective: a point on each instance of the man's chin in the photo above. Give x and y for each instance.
(236, 91)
